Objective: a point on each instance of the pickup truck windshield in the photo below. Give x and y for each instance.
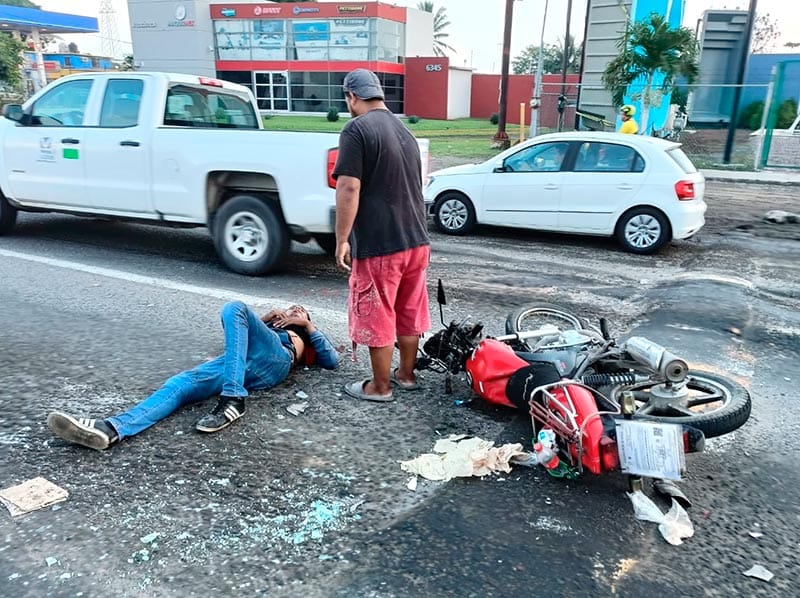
(189, 106)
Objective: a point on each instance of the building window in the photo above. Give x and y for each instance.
(232, 39)
(269, 40)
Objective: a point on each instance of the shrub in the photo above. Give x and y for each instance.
(787, 112)
(333, 114)
(494, 118)
(750, 117)
(679, 97)
(413, 119)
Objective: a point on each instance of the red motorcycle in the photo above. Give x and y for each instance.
(576, 380)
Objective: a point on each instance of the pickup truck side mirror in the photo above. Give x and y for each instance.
(13, 112)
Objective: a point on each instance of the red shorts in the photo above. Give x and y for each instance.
(389, 297)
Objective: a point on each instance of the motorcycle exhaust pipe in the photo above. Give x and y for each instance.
(656, 357)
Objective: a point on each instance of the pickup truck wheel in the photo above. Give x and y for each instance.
(8, 215)
(250, 236)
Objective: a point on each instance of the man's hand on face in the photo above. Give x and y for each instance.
(343, 259)
(295, 315)
(272, 315)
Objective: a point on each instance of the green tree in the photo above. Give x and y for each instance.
(10, 60)
(648, 49)
(765, 34)
(440, 23)
(20, 3)
(552, 59)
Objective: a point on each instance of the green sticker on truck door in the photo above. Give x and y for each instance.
(70, 153)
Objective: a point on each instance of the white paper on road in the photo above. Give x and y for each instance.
(460, 457)
(34, 494)
(674, 526)
(650, 449)
(759, 572)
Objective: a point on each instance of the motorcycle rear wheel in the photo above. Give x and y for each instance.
(714, 404)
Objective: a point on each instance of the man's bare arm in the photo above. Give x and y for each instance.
(348, 189)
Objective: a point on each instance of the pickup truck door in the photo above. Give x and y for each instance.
(117, 154)
(44, 154)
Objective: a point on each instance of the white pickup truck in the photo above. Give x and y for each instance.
(171, 149)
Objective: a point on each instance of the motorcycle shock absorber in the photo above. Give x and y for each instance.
(600, 380)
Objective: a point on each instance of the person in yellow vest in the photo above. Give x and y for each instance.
(628, 123)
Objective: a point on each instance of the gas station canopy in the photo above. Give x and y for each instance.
(26, 20)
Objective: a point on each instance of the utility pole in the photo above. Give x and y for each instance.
(562, 99)
(737, 92)
(536, 101)
(500, 138)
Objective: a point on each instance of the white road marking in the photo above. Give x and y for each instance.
(329, 315)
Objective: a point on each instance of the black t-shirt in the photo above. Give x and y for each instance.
(381, 152)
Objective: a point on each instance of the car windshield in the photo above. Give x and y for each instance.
(682, 160)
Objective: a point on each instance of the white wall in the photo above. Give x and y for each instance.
(419, 33)
(459, 92)
(164, 42)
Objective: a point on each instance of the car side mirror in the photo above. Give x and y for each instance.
(13, 112)
(499, 167)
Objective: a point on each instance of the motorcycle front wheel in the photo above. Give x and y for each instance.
(711, 403)
(536, 315)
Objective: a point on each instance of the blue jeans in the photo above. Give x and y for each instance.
(254, 359)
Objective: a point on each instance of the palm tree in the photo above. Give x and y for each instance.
(440, 23)
(652, 56)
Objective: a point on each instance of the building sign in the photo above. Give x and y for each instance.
(144, 25)
(352, 9)
(299, 10)
(182, 17)
(266, 10)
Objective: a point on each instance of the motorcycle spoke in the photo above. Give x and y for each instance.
(705, 399)
(646, 410)
(679, 411)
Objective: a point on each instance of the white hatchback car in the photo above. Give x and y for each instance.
(643, 190)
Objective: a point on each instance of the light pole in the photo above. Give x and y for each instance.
(500, 138)
(737, 92)
(536, 101)
(562, 100)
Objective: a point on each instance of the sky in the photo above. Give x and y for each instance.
(476, 27)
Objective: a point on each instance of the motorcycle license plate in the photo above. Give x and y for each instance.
(651, 449)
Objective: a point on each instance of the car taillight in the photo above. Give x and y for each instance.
(684, 190)
(333, 154)
(211, 82)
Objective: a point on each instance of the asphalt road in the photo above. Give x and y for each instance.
(94, 315)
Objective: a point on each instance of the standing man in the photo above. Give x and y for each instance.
(381, 236)
(628, 123)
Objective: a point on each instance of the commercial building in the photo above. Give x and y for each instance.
(294, 56)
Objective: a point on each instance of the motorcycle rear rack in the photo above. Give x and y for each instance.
(569, 431)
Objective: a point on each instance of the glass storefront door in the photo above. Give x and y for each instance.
(272, 91)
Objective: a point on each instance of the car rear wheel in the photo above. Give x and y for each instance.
(643, 230)
(250, 236)
(8, 215)
(454, 214)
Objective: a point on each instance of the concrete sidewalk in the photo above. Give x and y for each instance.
(763, 177)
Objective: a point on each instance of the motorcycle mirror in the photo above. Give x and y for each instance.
(441, 299)
(440, 296)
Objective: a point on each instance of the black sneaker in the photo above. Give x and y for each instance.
(227, 411)
(92, 433)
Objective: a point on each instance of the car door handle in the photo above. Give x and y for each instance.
(129, 143)
(625, 186)
(70, 141)
(551, 187)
